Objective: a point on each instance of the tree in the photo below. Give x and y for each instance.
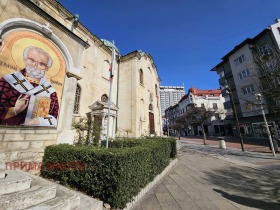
(81, 125)
(267, 67)
(88, 133)
(177, 127)
(197, 116)
(265, 75)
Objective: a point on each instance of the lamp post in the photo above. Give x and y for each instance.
(259, 98)
(229, 92)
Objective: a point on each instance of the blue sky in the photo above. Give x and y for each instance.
(186, 38)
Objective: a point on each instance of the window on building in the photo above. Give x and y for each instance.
(202, 105)
(191, 98)
(105, 70)
(248, 89)
(141, 77)
(244, 73)
(151, 97)
(239, 60)
(156, 90)
(250, 106)
(151, 107)
(265, 50)
(77, 99)
(215, 106)
(142, 110)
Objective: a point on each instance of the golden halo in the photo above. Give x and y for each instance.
(17, 54)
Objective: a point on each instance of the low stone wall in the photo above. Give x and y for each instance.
(23, 144)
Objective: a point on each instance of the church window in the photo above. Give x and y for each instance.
(156, 90)
(151, 97)
(151, 107)
(141, 77)
(77, 99)
(105, 69)
(142, 108)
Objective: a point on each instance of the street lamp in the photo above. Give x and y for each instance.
(229, 92)
(259, 98)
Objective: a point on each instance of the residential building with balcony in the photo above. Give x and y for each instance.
(210, 99)
(237, 71)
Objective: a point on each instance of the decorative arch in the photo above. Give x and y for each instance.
(21, 23)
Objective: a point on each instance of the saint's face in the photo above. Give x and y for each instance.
(37, 59)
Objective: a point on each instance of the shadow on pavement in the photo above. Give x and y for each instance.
(251, 202)
(246, 186)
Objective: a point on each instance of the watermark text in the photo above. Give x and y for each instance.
(59, 166)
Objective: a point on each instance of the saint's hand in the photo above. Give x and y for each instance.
(21, 103)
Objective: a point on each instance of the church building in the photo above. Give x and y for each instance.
(55, 71)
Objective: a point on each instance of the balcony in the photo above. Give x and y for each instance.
(228, 74)
(222, 81)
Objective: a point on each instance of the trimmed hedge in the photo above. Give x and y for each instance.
(114, 175)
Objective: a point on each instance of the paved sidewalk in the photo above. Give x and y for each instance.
(258, 155)
(207, 177)
(252, 145)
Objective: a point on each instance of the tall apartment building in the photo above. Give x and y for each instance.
(237, 71)
(169, 96)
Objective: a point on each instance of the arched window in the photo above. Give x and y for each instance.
(105, 69)
(77, 99)
(141, 77)
(151, 107)
(156, 90)
(142, 110)
(104, 98)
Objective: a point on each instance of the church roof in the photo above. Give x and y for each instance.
(110, 44)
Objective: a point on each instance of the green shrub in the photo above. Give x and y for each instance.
(114, 175)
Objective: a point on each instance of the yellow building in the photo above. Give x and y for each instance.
(54, 70)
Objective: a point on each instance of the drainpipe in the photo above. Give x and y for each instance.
(118, 79)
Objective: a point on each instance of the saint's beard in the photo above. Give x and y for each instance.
(34, 72)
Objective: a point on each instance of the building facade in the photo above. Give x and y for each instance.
(169, 96)
(37, 110)
(210, 100)
(237, 74)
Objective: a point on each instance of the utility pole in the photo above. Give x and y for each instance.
(229, 92)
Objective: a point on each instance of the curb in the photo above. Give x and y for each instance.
(144, 190)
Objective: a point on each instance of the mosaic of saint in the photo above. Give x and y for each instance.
(32, 71)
